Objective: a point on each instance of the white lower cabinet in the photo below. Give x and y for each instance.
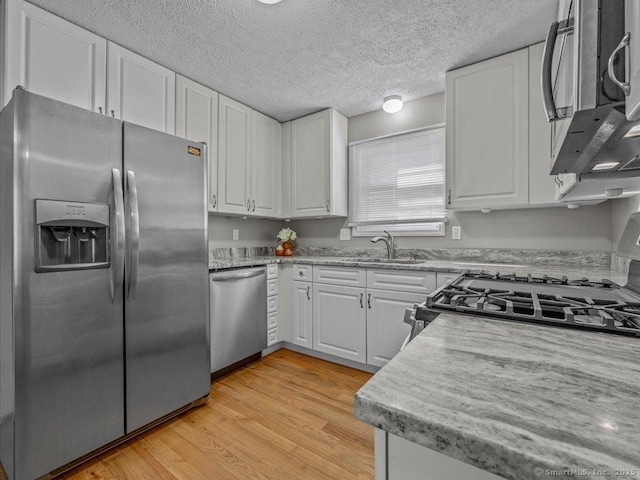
(302, 314)
(400, 459)
(340, 321)
(386, 330)
(354, 313)
(273, 335)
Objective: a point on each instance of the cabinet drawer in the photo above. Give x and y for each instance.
(350, 277)
(272, 287)
(272, 304)
(272, 320)
(402, 280)
(272, 271)
(272, 336)
(302, 273)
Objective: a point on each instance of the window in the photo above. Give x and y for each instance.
(397, 184)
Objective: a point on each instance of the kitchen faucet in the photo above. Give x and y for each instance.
(388, 242)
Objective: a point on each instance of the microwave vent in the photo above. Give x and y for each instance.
(633, 164)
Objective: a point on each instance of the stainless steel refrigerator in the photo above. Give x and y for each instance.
(103, 281)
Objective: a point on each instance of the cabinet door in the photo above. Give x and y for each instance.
(542, 188)
(302, 314)
(310, 156)
(140, 91)
(52, 57)
(197, 119)
(265, 165)
(340, 321)
(488, 133)
(386, 330)
(234, 157)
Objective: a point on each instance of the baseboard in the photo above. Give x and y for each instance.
(330, 358)
(273, 348)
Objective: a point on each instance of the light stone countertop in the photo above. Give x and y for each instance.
(510, 397)
(571, 271)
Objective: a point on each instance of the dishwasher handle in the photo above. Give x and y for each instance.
(237, 276)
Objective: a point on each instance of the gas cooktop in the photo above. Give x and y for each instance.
(601, 306)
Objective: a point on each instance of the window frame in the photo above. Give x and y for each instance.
(396, 228)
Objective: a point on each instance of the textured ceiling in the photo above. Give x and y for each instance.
(300, 56)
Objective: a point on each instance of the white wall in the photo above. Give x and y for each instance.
(620, 212)
(416, 114)
(252, 232)
(587, 228)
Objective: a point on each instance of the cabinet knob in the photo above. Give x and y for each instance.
(248, 205)
(214, 201)
(449, 197)
(253, 205)
(362, 300)
(99, 109)
(328, 210)
(113, 113)
(369, 301)
(308, 293)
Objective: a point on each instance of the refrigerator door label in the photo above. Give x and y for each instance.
(194, 151)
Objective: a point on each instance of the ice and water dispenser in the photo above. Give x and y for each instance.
(71, 235)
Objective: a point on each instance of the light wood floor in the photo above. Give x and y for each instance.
(287, 416)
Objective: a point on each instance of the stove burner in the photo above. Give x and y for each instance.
(547, 300)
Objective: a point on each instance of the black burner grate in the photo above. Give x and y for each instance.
(499, 297)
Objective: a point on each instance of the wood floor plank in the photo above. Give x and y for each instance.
(92, 470)
(285, 416)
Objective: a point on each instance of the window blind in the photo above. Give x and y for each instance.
(398, 180)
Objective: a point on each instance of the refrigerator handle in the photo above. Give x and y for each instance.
(117, 238)
(133, 240)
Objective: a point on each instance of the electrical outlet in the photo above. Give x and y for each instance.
(235, 234)
(456, 232)
(345, 234)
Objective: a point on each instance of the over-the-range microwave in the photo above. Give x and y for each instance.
(590, 86)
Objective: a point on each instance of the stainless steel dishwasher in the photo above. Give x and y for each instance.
(238, 313)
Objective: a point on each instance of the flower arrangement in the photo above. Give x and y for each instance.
(287, 237)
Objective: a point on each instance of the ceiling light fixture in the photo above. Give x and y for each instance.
(392, 104)
(269, 2)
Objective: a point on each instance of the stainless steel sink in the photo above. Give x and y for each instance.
(489, 265)
(403, 261)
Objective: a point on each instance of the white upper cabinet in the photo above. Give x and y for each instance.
(197, 119)
(319, 165)
(140, 91)
(249, 161)
(234, 157)
(499, 143)
(52, 57)
(487, 109)
(265, 165)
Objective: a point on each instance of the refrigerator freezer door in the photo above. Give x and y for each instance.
(166, 288)
(69, 372)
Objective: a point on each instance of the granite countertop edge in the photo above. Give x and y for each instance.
(485, 435)
(444, 266)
